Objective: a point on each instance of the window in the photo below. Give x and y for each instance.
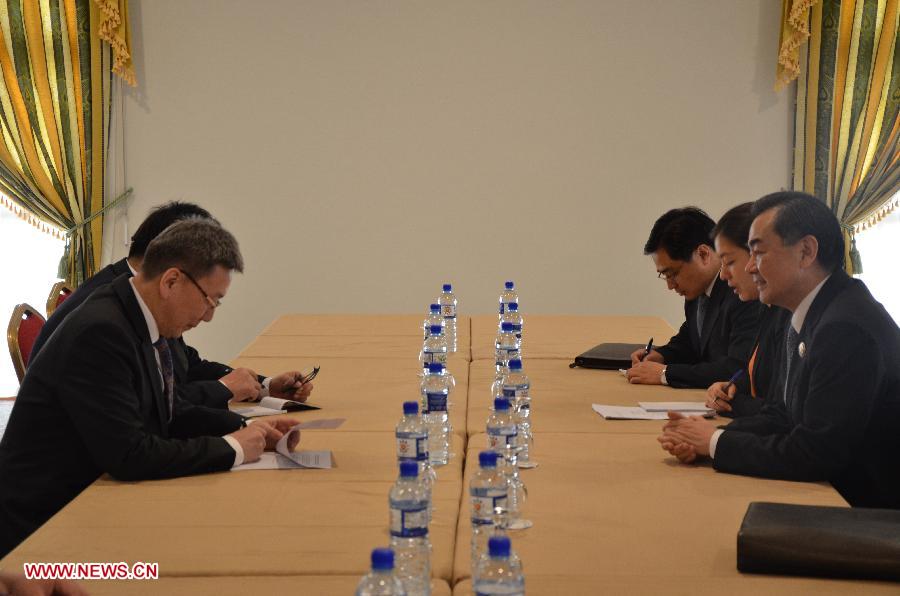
(879, 248)
(29, 260)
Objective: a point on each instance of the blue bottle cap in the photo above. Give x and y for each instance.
(409, 469)
(487, 459)
(435, 367)
(506, 326)
(447, 287)
(435, 308)
(501, 403)
(435, 329)
(515, 364)
(382, 559)
(499, 546)
(513, 306)
(510, 285)
(410, 408)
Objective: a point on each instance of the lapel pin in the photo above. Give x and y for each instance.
(801, 349)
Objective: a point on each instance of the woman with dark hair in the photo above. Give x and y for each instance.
(747, 394)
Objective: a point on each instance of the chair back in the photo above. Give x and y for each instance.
(58, 294)
(24, 326)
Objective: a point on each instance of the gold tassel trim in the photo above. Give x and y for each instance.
(797, 27)
(39, 224)
(877, 215)
(108, 32)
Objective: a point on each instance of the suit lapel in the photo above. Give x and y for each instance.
(713, 311)
(835, 285)
(122, 287)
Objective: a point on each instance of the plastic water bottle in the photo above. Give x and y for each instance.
(508, 295)
(381, 581)
(516, 387)
(412, 445)
(496, 576)
(434, 348)
(512, 315)
(506, 348)
(434, 317)
(409, 531)
(501, 428)
(435, 396)
(487, 491)
(448, 303)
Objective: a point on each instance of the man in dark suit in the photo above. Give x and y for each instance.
(719, 331)
(99, 397)
(199, 381)
(840, 387)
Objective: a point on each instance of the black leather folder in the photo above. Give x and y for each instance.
(607, 356)
(839, 542)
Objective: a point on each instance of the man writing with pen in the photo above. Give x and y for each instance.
(717, 336)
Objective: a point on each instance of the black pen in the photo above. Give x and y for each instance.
(648, 349)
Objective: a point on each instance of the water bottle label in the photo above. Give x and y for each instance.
(436, 402)
(431, 357)
(483, 507)
(500, 436)
(412, 448)
(448, 311)
(515, 391)
(409, 523)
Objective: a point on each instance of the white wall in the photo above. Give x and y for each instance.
(364, 152)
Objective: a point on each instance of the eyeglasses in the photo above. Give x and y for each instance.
(669, 275)
(212, 303)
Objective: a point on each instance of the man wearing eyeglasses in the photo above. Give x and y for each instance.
(719, 330)
(100, 396)
(199, 381)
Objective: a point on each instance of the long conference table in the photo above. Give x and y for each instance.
(612, 512)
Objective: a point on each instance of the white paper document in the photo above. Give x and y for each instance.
(255, 411)
(698, 407)
(284, 458)
(627, 413)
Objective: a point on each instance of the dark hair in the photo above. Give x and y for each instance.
(800, 214)
(734, 226)
(680, 232)
(160, 218)
(194, 246)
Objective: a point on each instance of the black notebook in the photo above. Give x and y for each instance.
(820, 541)
(607, 356)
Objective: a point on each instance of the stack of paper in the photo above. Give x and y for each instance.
(284, 458)
(652, 410)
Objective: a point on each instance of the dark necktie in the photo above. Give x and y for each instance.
(702, 303)
(791, 347)
(168, 372)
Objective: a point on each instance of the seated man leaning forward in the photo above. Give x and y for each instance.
(99, 397)
(201, 382)
(840, 381)
(719, 331)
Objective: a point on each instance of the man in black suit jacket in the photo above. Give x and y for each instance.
(719, 331)
(199, 381)
(840, 387)
(99, 397)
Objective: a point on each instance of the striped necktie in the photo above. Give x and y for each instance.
(702, 303)
(791, 347)
(168, 371)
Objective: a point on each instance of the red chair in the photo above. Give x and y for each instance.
(58, 294)
(23, 329)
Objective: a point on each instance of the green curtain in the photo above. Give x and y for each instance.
(57, 58)
(848, 97)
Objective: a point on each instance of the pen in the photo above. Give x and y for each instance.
(648, 349)
(737, 375)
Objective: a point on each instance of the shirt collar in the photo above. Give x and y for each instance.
(710, 288)
(130, 268)
(148, 316)
(803, 308)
